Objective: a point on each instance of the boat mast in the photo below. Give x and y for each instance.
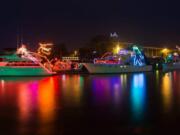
(17, 40)
(19, 37)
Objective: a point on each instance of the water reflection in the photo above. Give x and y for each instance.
(67, 100)
(2, 85)
(138, 95)
(157, 77)
(108, 88)
(24, 99)
(35, 99)
(167, 91)
(72, 88)
(46, 98)
(37, 95)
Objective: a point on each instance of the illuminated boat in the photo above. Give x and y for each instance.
(126, 61)
(115, 68)
(172, 61)
(171, 66)
(24, 63)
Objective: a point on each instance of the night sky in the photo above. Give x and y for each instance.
(75, 22)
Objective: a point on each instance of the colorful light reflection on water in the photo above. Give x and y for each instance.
(108, 88)
(72, 89)
(138, 95)
(34, 99)
(167, 91)
(55, 103)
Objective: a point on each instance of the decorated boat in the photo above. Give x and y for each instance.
(171, 66)
(125, 61)
(24, 63)
(172, 60)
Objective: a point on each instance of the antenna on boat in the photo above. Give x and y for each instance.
(19, 37)
(17, 40)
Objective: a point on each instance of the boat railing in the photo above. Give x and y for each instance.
(36, 58)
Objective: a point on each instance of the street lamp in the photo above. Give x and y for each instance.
(165, 51)
(75, 53)
(117, 49)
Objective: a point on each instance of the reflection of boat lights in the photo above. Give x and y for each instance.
(106, 89)
(25, 100)
(157, 76)
(63, 77)
(72, 89)
(2, 84)
(175, 76)
(46, 98)
(116, 86)
(117, 92)
(81, 79)
(138, 93)
(101, 88)
(167, 90)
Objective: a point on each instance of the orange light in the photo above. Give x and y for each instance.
(167, 91)
(46, 98)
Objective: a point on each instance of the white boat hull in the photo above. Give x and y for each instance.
(115, 68)
(23, 71)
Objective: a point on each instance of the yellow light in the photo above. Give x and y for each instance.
(46, 44)
(75, 52)
(45, 48)
(165, 51)
(117, 49)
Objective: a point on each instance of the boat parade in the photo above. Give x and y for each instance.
(89, 67)
(128, 58)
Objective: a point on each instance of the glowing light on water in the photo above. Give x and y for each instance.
(46, 98)
(138, 95)
(63, 77)
(107, 89)
(2, 84)
(157, 77)
(37, 95)
(175, 76)
(25, 100)
(72, 89)
(123, 81)
(167, 91)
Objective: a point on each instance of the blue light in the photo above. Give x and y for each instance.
(138, 57)
(138, 94)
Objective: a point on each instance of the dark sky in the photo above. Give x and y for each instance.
(75, 22)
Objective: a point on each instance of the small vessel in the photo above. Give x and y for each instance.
(24, 63)
(125, 61)
(171, 66)
(172, 61)
(115, 68)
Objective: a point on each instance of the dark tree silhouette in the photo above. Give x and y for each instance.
(59, 50)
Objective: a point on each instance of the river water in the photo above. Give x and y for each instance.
(140, 103)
